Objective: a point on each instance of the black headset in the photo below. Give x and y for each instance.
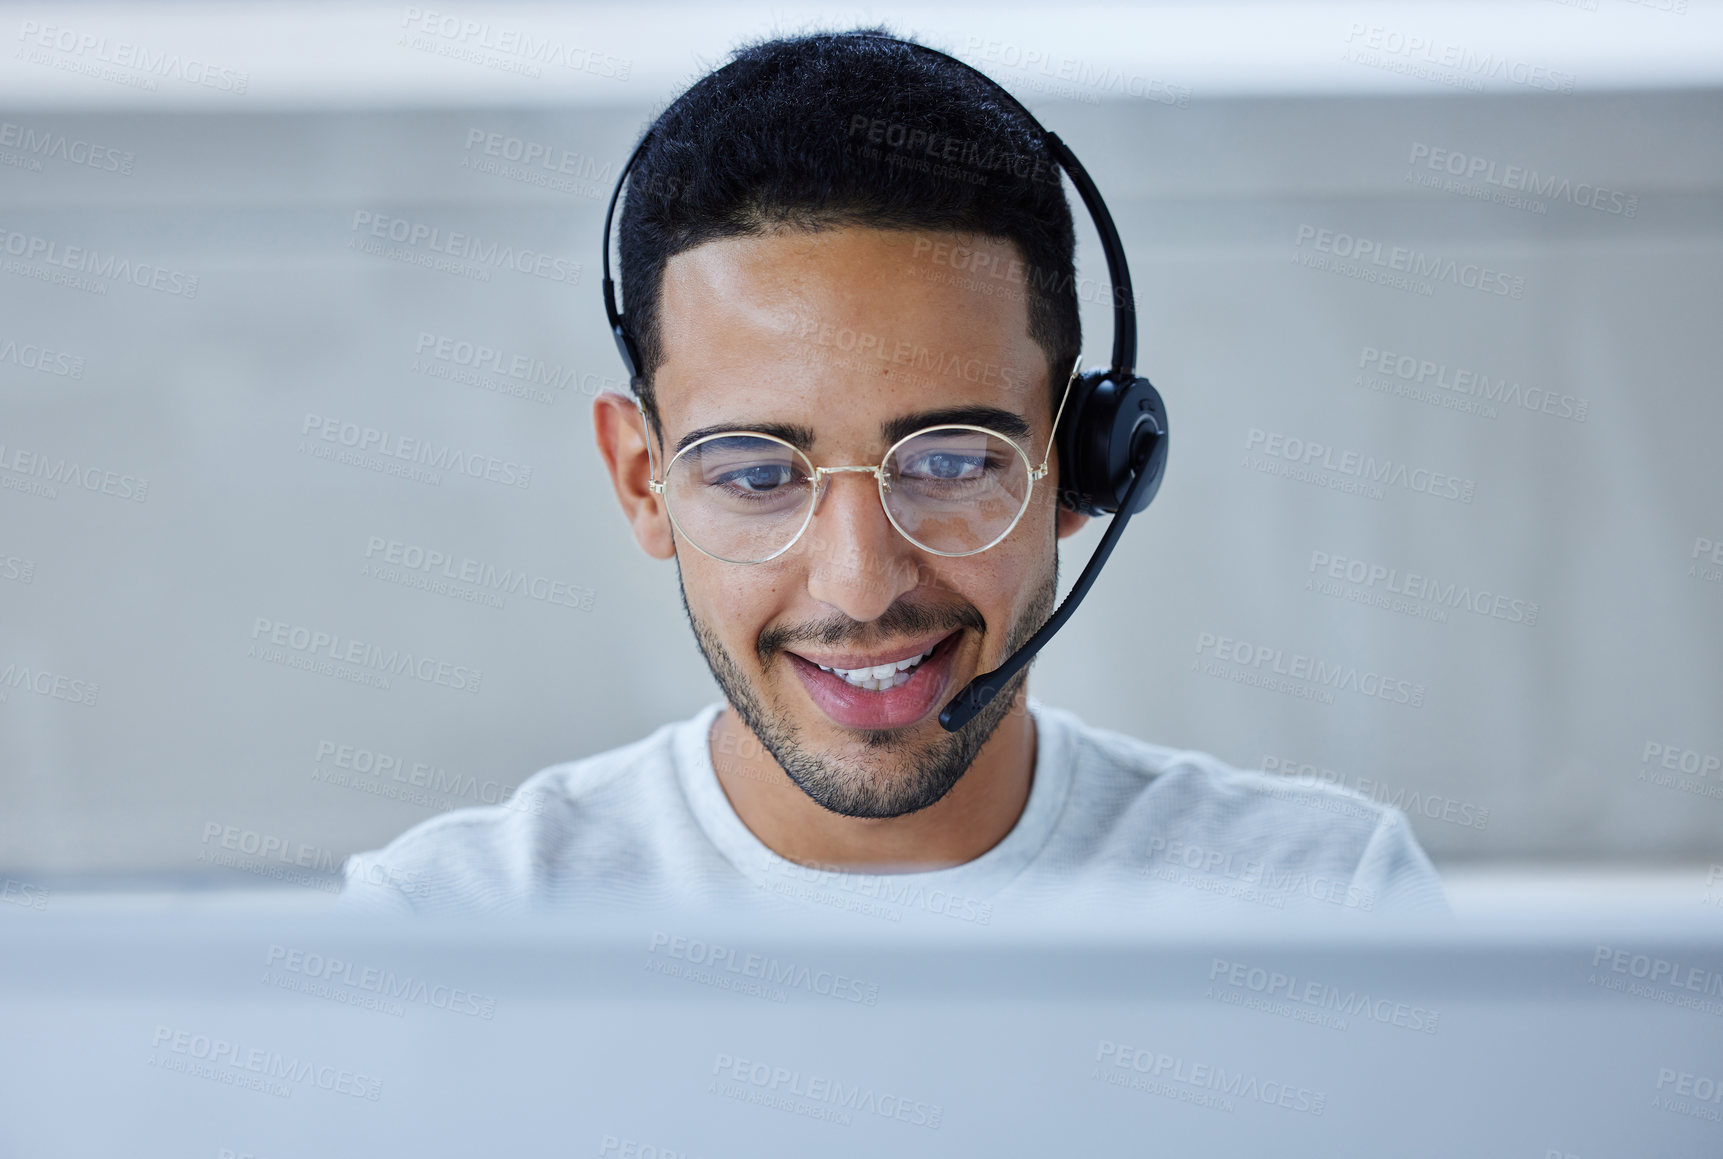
(1112, 438)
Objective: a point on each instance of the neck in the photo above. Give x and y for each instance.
(972, 818)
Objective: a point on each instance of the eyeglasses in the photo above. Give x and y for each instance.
(952, 490)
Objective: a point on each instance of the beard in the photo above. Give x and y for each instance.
(899, 774)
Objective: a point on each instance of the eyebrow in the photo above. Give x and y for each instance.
(797, 436)
(993, 418)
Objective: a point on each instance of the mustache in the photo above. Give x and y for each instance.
(901, 619)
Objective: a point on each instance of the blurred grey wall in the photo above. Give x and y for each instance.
(1519, 611)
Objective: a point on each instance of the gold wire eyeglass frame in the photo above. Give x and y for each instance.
(818, 475)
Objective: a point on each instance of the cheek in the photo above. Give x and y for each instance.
(735, 602)
(999, 582)
(1030, 555)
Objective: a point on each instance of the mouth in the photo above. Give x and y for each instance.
(879, 691)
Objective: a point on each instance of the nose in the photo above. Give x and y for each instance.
(857, 562)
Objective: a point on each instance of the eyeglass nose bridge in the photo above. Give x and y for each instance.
(820, 474)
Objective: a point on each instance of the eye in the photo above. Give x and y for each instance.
(947, 465)
(757, 478)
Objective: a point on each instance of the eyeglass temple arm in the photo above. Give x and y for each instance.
(646, 431)
(1041, 472)
(983, 688)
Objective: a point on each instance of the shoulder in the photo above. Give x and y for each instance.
(495, 858)
(1194, 813)
(1202, 789)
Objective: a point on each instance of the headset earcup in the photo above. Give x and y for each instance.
(1107, 429)
(1072, 490)
(1139, 443)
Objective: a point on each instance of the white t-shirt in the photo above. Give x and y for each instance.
(650, 824)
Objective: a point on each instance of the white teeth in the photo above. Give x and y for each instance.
(880, 676)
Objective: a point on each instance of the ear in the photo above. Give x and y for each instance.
(1069, 522)
(621, 432)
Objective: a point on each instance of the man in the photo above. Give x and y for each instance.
(839, 439)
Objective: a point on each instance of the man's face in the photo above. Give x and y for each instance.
(842, 341)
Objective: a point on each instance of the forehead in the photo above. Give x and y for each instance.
(842, 330)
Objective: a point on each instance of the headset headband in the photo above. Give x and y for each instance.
(1124, 302)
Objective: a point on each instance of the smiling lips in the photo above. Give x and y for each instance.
(864, 692)
(881, 676)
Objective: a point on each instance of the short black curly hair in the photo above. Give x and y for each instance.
(771, 141)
